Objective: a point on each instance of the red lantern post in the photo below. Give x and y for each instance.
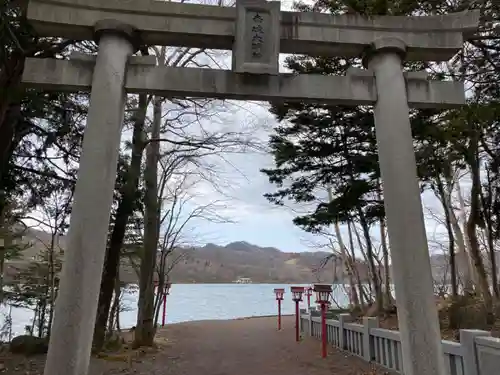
(297, 297)
(323, 292)
(279, 297)
(164, 315)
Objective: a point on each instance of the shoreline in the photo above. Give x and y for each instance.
(196, 321)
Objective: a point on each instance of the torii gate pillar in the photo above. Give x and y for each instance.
(411, 268)
(76, 306)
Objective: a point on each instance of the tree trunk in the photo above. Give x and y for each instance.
(371, 261)
(479, 264)
(388, 300)
(114, 315)
(334, 271)
(361, 290)
(36, 315)
(52, 286)
(490, 236)
(367, 285)
(123, 212)
(157, 305)
(41, 314)
(443, 197)
(145, 329)
(472, 222)
(162, 279)
(463, 258)
(353, 294)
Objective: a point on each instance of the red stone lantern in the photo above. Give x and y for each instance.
(297, 292)
(323, 292)
(279, 292)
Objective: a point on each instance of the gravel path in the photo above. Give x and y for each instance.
(244, 347)
(249, 347)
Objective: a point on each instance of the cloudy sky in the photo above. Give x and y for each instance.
(239, 188)
(240, 199)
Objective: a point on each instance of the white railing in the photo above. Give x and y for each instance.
(477, 353)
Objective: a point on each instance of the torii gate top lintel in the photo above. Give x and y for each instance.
(433, 38)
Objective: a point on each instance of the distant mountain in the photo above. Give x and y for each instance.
(213, 263)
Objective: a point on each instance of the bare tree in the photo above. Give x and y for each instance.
(51, 217)
(181, 170)
(179, 207)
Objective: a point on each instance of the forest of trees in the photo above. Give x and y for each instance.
(168, 150)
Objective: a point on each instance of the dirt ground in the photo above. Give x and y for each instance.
(244, 347)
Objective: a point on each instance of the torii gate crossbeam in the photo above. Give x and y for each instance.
(142, 76)
(432, 38)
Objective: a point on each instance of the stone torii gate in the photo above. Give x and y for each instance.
(256, 31)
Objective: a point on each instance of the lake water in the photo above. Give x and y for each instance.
(188, 302)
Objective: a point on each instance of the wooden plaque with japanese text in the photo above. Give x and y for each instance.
(256, 45)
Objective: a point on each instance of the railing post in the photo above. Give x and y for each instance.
(488, 355)
(468, 342)
(311, 322)
(301, 326)
(368, 324)
(343, 318)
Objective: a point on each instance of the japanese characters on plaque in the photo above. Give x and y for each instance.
(256, 46)
(257, 35)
